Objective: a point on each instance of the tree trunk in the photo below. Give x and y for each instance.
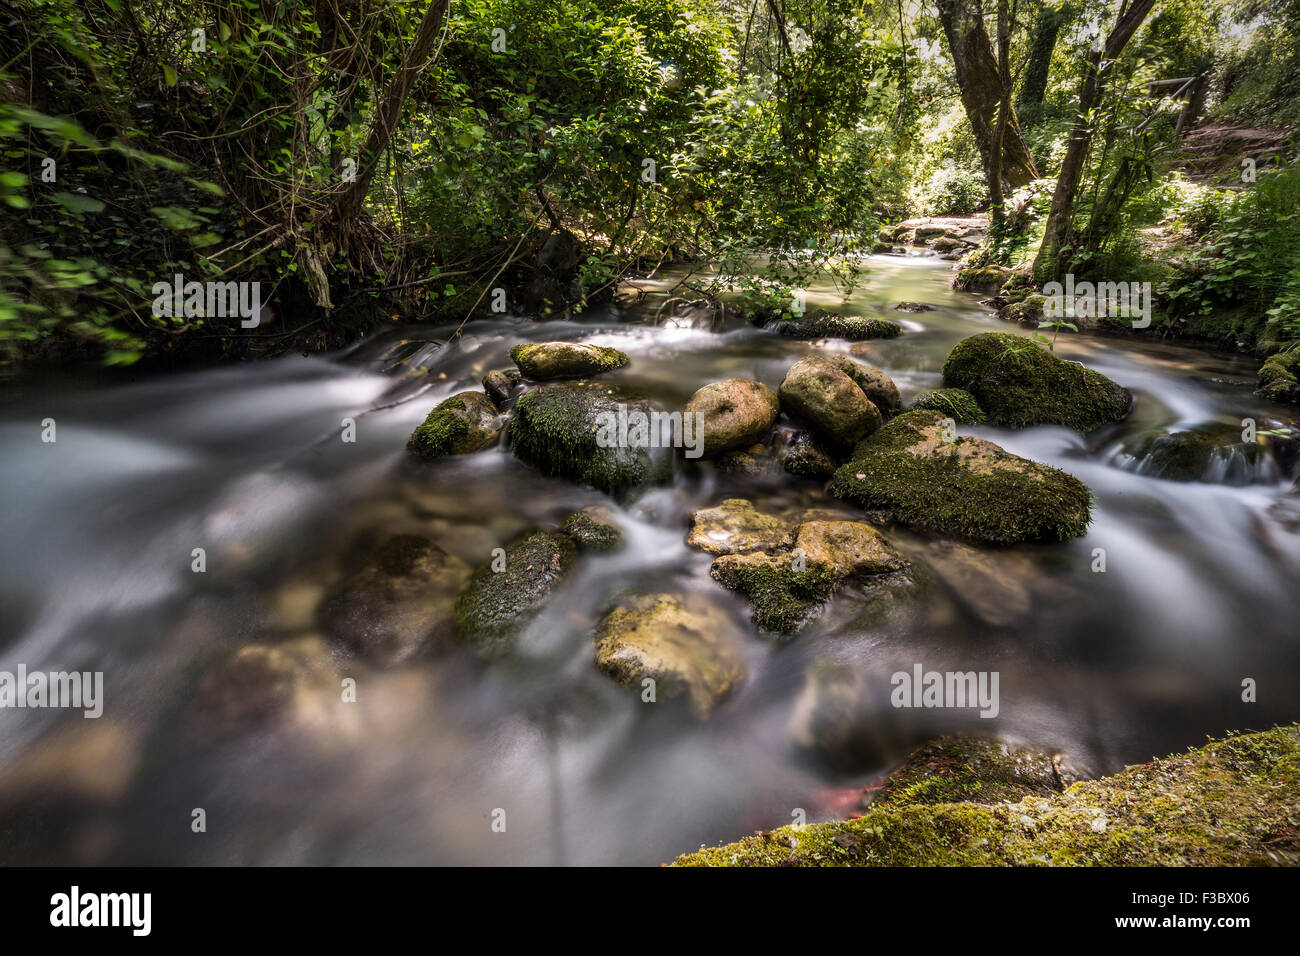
(1046, 29)
(1048, 264)
(982, 93)
(390, 111)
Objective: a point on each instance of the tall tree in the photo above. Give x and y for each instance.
(1050, 262)
(981, 80)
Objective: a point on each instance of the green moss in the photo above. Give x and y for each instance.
(976, 769)
(1230, 803)
(955, 403)
(968, 486)
(1279, 378)
(1019, 384)
(441, 431)
(556, 427)
(1026, 311)
(981, 279)
(831, 325)
(547, 360)
(592, 534)
(781, 598)
(496, 605)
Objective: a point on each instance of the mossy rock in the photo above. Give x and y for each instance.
(914, 307)
(497, 605)
(974, 769)
(832, 325)
(686, 644)
(1229, 803)
(1027, 311)
(818, 392)
(782, 597)
(465, 423)
(1279, 378)
(785, 588)
(734, 413)
(1019, 384)
(1212, 452)
(559, 428)
(594, 529)
(985, 279)
(955, 403)
(397, 604)
(542, 361)
(968, 486)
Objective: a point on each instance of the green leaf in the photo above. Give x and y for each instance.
(169, 75)
(78, 204)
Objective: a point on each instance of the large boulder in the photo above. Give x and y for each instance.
(735, 413)
(819, 393)
(398, 604)
(686, 644)
(501, 600)
(466, 422)
(565, 430)
(912, 472)
(1279, 378)
(832, 325)
(1018, 384)
(541, 361)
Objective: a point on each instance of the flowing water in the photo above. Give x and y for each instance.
(1200, 591)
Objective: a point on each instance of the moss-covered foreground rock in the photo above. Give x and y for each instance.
(540, 361)
(466, 422)
(974, 769)
(559, 429)
(686, 644)
(1279, 378)
(498, 604)
(1229, 803)
(1019, 384)
(832, 325)
(955, 403)
(966, 486)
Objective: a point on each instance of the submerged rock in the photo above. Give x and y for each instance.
(734, 413)
(1279, 378)
(831, 325)
(398, 604)
(1230, 802)
(562, 429)
(967, 486)
(540, 361)
(594, 529)
(955, 403)
(914, 307)
(467, 422)
(498, 604)
(1213, 452)
(991, 585)
(736, 526)
(1018, 384)
(685, 643)
(818, 392)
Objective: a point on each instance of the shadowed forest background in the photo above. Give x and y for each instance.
(371, 161)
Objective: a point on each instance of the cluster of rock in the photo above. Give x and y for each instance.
(949, 238)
